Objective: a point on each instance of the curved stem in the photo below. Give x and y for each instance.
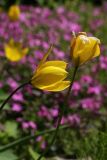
(61, 114)
(26, 138)
(6, 100)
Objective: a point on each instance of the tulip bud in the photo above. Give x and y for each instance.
(84, 48)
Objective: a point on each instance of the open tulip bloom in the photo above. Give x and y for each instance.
(14, 50)
(50, 75)
(84, 48)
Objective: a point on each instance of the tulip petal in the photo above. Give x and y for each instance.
(49, 75)
(14, 50)
(12, 53)
(45, 56)
(60, 64)
(90, 51)
(97, 51)
(59, 86)
(85, 48)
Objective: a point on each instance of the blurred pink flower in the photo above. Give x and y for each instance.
(44, 112)
(94, 90)
(25, 125)
(39, 138)
(60, 10)
(43, 145)
(16, 107)
(97, 11)
(76, 88)
(95, 24)
(19, 119)
(103, 62)
(86, 79)
(12, 83)
(74, 119)
(32, 125)
(18, 97)
(90, 104)
(54, 112)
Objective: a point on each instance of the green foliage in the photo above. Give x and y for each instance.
(102, 76)
(93, 144)
(11, 129)
(3, 96)
(8, 155)
(34, 154)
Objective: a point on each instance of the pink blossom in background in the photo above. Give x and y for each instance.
(19, 119)
(58, 53)
(12, 83)
(43, 145)
(54, 112)
(73, 119)
(44, 112)
(32, 125)
(23, 17)
(96, 11)
(74, 27)
(18, 97)
(94, 90)
(67, 36)
(76, 88)
(73, 16)
(86, 79)
(95, 24)
(16, 107)
(25, 125)
(60, 10)
(1, 53)
(103, 62)
(90, 104)
(45, 45)
(95, 68)
(38, 54)
(63, 121)
(39, 138)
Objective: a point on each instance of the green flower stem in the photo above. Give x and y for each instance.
(6, 100)
(61, 114)
(24, 139)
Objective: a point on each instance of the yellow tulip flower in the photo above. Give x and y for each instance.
(84, 48)
(50, 75)
(14, 12)
(14, 51)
